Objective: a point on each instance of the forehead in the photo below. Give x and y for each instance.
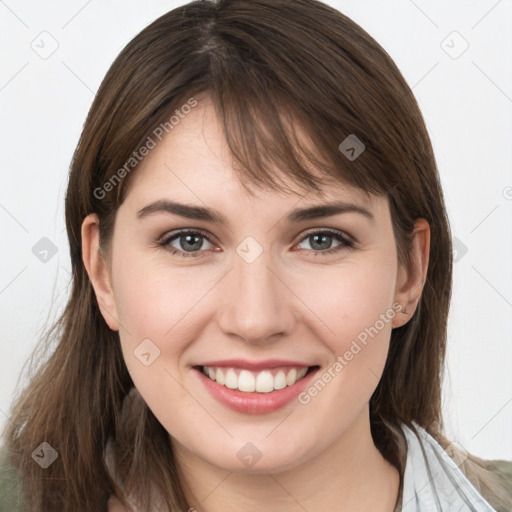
(194, 159)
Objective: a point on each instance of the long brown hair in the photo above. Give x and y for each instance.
(267, 65)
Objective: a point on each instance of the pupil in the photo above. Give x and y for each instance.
(189, 240)
(325, 241)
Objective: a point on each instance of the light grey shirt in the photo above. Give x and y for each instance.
(433, 480)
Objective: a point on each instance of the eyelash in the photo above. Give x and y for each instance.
(345, 243)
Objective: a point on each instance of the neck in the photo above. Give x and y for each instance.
(350, 475)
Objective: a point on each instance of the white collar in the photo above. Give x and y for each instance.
(433, 480)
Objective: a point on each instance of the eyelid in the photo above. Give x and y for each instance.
(185, 231)
(346, 241)
(330, 231)
(165, 241)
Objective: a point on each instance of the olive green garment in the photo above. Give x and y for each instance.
(10, 495)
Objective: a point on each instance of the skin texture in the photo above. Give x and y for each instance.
(293, 302)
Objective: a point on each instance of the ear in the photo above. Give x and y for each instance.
(410, 282)
(97, 269)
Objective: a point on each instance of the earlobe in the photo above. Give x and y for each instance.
(410, 282)
(97, 269)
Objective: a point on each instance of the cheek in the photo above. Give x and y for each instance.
(354, 309)
(350, 300)
(354, 322)
(167, 305)
(153, 299)
(158, 304)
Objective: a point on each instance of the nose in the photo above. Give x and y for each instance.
(257, 305)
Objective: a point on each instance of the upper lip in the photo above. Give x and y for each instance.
(245, 364)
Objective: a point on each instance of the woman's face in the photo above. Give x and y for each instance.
(259, 290)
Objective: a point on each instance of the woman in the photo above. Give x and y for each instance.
(261, 282)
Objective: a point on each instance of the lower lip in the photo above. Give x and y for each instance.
(255, 403)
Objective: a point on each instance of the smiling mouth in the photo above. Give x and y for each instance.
(264, 381)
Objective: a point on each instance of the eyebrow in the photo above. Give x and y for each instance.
(213, 216)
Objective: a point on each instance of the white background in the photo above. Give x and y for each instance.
(467, 104)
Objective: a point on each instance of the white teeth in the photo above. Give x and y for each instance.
(219, 376)
(249, 382)
(231, 381)
(264, 382)
(280, 380)
(301, 373)
(291, 377)
(246, 381)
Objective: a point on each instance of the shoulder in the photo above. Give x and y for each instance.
(503, 469)
(469, 475)
(493, 479)
(11, 493)
(10, 485)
